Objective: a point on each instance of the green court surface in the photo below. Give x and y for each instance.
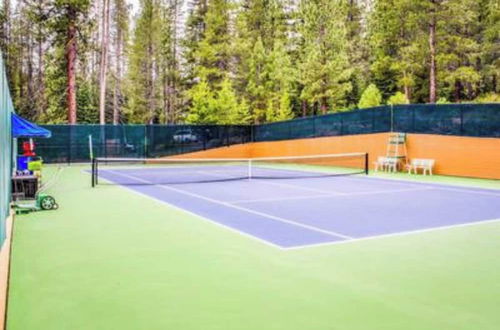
(112, 259)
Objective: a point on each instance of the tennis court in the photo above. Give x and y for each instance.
(130, 253)
(294, 202)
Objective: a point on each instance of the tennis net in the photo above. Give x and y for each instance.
(154, 171)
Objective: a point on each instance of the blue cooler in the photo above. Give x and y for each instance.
(22, 163)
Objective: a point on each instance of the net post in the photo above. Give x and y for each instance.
(96, 175)
(367, 166)
(93, 172)
(249, 169)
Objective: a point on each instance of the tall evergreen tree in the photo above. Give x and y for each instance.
(213, 54)
(194, 33)
(262, 31)
(324, 66)
(169, 60)
(272, 58)
(142, 91)
(120, 22)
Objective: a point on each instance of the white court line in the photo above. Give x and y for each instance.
(466, 191)
(376, 192)
(277, 199)
(400, 181)
(215, 201)
(394, 191)
(288, 185)
(402, 233)
(408, 183)
(169, 205)
(353, 240)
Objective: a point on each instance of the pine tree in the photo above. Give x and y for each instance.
(371, 97)
(169, 64)
(489, 38)
(398, 98)
(202, 109)
(70, 14)
(212, 60)
(357, 49)
(386, 25)
(226, 105)
(103, 69)
(256, 77)
(459, 49)
(247, 60)
(280, 85)
(213, 54)
(194, 33)
(120, 22)
(142, 90)
(261, 33)
(324, 65)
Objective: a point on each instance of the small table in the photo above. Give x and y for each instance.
(24, 187)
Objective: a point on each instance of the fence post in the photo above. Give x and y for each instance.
(392, 118)
(145, 134)
(373, 122)
(93, 172)
(341, 124)
(102, 129)
(461, 121)
(367, 164)
(414, 110)
(70, 143)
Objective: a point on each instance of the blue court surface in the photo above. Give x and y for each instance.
(294, 212)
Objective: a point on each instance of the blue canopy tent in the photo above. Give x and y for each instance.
(21, 128)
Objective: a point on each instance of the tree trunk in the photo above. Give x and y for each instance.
(71, 53)
(117, 98)
(174, 69)
(41, 74)
(166, 100)
(29, 63)
(150, 84)
(304, 108)
(432, 48)
(104, 62)
(324, 106)
(458, 90)
(6, 38)
(407, 92)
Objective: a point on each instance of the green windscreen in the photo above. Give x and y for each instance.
(6, 109)
(71, 143)
(481, 120)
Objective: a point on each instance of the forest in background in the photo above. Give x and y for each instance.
(243, 61)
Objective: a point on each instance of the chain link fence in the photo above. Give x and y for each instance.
(6, 109)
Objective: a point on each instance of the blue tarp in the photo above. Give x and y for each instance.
(21, 128)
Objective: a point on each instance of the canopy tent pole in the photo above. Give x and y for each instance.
(91, 147)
